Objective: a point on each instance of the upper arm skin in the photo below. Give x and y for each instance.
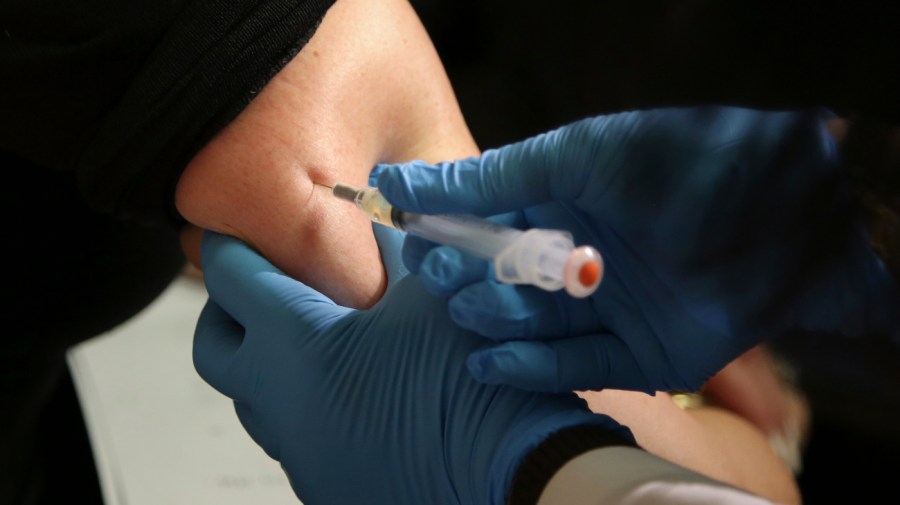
(708, 440)
(367, 88)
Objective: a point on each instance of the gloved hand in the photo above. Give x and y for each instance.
(719, 228)
(373, 406)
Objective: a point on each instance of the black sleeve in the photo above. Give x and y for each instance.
(126, 92)
(541, 464)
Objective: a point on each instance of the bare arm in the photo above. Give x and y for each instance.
(368, 88)
(711, 441)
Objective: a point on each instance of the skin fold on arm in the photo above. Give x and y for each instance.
(369, 87)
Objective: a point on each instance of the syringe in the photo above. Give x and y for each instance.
(541, 257)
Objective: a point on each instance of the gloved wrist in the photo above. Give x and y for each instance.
(525, 461)
(542, 463)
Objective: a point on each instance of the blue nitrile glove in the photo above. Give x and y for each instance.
(720, 227)
(365, 407)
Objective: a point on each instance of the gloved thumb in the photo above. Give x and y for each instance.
(556, 165)
(578, 363)
(256, 293)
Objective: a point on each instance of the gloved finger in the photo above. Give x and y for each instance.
(217, 339)
(390, 245)
(445, 270)
(514, 219)
(460, 187)
(256, 430)
(414, 251)
(254, 291)
(508, 178)
(513, 312)
(580, 363)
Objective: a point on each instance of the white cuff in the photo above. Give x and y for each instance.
(631, 476)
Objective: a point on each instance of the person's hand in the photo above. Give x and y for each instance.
(368, 406)
(719, 228)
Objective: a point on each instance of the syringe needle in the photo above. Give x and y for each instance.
(323, 185)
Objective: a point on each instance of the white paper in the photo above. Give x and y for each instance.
(160, 434)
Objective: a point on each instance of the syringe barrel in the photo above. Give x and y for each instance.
(544, 258)
(479, 237)
(535, 256)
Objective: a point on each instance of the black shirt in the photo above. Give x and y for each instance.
(125, 92)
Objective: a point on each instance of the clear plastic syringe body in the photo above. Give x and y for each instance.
(545, 258)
